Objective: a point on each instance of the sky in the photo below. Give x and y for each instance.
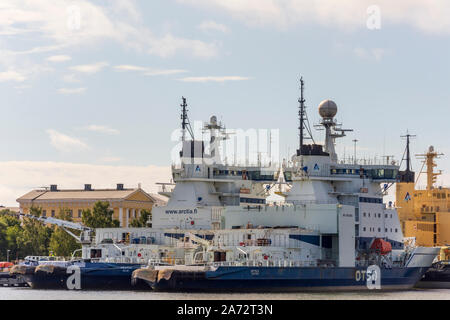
(91, 90)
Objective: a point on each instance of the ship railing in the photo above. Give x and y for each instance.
(309, 202)
(369, 161)
(264, 263)
(166, 262)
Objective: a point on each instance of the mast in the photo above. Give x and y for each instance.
(431, 164)
(303, 121)
(301, 113)
(408, 175)
(185, 124)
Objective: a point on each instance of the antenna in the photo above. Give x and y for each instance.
(429, 160)
(303, 118)
(185, 124)
(355, 141)
(408, 155)
(301, 112)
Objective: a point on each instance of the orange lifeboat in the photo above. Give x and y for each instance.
(6, 265)
(380, 246)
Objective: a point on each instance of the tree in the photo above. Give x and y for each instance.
(10, 231)
(142, 221)
(100, 217)
(62, 243)
(35, 237)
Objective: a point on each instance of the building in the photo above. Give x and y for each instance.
(126, 203)
(424, 213)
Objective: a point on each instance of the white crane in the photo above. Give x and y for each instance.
(85, 236)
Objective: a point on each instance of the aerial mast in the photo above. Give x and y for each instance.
(431, 164)
(185, 124)
(301, 113)
(408, 175)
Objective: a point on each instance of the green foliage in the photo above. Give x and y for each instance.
(35, 236)
(100, 217)
(61, 243)
(10, 231)
(142, 221)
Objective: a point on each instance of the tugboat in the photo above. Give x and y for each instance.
(438, 276)
(8, 280)
(86, 273)
(333, 231)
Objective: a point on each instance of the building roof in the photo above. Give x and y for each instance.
(99, 194)
(159, 199)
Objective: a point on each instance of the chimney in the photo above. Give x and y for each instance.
(53, 187)
(120, 186)
(87, 187)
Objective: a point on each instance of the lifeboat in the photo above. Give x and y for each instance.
(381, 246)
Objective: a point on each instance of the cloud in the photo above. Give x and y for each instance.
(89, 68)
(72, 90)
(19, 177)
(374, 53)
(60, 58)
(110, 159)
(130, 68)
(65, 143)
(12, 75)
(213, 26)
(169, 45)
(71, 78)
(67, 23)
(348, 14)
(214, 79)
(149, 71)
(101, 129)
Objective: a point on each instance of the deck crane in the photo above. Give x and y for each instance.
(83, 238)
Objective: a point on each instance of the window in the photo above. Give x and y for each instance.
(79, 213)
(364, 214)
(379, 229)
(385, 215)
(364, 228)
(44, 213)
(53, 213)
(395, 230)
(385, 229)
(379, 215)
(71, 213)
(369, 214)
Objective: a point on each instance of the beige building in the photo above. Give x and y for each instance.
(126, 203)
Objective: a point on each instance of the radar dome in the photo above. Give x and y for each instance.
(327, 109)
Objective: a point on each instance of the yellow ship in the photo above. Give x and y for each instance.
(424, 213)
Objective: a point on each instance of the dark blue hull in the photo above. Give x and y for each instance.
(286, 279)
(92, 276)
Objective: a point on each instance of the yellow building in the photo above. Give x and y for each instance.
(126, 203)
(424, 214)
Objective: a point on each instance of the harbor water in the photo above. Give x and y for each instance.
(30, 294)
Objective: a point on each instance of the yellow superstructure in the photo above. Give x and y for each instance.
(425, 214)
(127, 204)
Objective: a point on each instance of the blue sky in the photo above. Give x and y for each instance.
(95, 86)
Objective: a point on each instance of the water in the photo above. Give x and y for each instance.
(30, 294)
